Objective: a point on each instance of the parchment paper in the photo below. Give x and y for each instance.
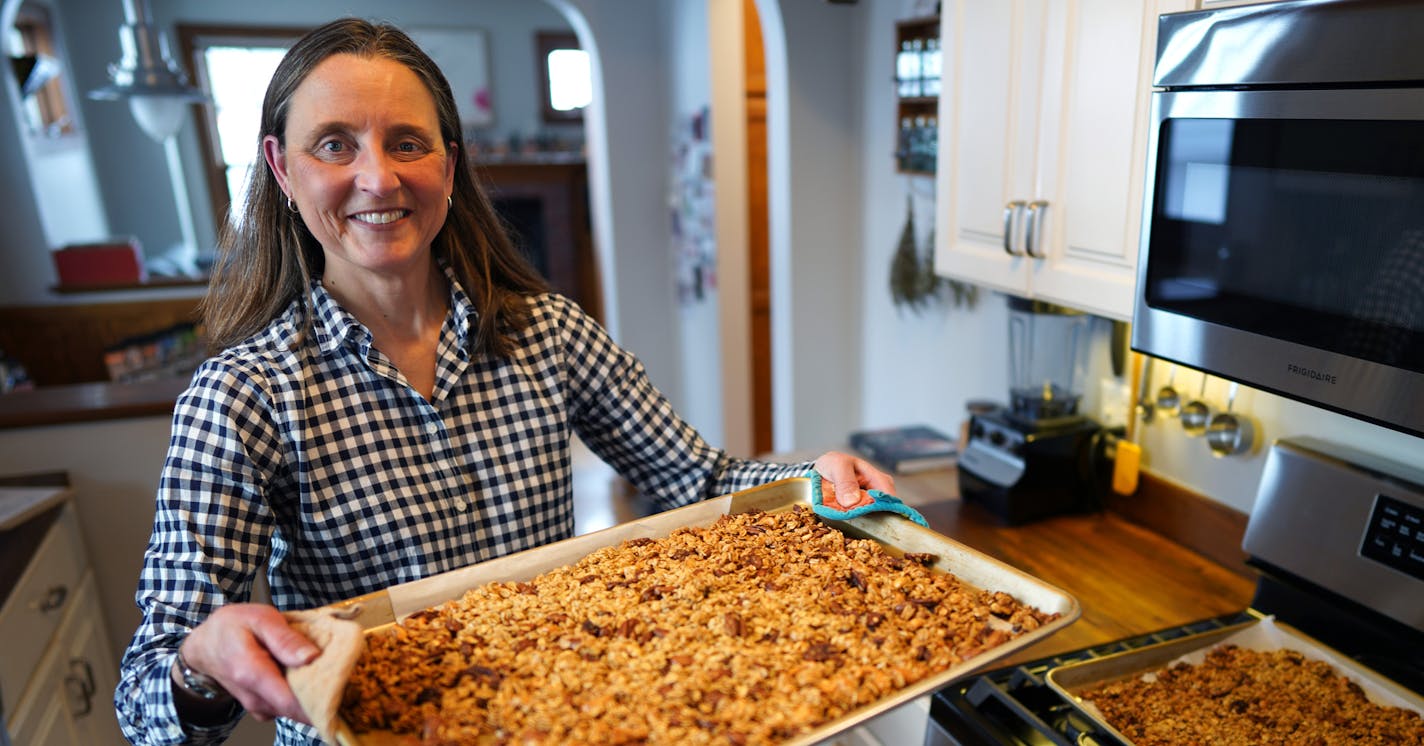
(319, 685)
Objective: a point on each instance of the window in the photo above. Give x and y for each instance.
(565, 80)
(45, 97)
(234, 65)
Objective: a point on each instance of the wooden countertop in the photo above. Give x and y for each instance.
(89, 402)
(1128, 580)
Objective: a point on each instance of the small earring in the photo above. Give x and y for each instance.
(291, 206)
(449, 200)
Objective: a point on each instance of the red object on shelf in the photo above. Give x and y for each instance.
(105, 263)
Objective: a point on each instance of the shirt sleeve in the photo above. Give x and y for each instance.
(211, 534)
(628, 422)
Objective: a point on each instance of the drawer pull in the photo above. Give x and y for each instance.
(53, 599)
(80, 687)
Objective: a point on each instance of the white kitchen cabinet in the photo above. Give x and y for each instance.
(59, 671)
(1043, 132)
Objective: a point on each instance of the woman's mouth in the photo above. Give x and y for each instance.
(381, 217)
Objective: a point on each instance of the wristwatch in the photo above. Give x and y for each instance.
(200, 684)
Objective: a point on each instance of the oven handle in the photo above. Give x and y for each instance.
(1012, 211)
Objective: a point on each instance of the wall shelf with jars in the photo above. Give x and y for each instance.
(917, 86)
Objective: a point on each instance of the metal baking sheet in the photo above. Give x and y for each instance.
(1074, 679)
(891, 530)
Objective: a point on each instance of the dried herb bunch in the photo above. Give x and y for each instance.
(913, 282)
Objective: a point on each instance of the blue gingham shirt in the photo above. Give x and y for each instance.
(318, 462)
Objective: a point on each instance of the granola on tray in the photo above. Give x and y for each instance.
(1242, 696)
(750, 631)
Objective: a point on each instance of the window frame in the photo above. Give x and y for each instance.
(544, 43)
(55, 116)
(193, 40)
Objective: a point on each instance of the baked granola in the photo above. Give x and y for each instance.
(1242, 696)
(750, 631)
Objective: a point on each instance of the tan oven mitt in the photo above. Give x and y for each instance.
(319, 685)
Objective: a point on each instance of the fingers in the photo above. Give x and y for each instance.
(288, 646)
(873, 478)
(245, 647)
(849, 475)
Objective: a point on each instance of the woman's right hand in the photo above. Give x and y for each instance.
(245, 647)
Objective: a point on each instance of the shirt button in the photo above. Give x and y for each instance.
(461, 505)
(432, 428)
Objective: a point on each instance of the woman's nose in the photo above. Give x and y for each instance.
(376, 172)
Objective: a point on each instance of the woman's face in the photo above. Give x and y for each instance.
(365, 165)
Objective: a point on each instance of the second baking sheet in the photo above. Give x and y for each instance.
(1075, 679)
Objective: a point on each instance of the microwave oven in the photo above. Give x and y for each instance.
(1283, 220)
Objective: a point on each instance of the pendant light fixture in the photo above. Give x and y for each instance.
(158, 95)
(154, 85)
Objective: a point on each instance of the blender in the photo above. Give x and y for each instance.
(1036, 457)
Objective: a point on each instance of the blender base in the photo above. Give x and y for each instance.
(1024, 471)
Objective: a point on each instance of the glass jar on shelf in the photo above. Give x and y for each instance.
(907, 68)
(930, 68)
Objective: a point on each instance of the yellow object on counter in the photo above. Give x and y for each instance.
(1126, 467)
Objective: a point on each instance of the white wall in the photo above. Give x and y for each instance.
(921, 366)
(690, 91)
(25, 268)
(74, 213)
(627, 131)
(814, 96)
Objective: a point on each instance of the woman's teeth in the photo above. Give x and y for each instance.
(380, 218)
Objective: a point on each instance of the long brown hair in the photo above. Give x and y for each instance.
(269, 258)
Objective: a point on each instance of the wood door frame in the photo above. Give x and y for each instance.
(758, 232)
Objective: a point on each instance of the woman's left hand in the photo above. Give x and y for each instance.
(849, 475)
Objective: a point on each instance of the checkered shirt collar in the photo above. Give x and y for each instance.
(334, 326)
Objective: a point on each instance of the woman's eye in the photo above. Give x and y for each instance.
(409, 147)
(332, 146)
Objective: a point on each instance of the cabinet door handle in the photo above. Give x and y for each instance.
(80, 686)
(1012, 211)
(1033, 233)
(53, 599)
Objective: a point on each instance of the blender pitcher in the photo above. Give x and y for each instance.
(1048, 355)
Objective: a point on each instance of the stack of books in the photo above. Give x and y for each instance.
(906, 449)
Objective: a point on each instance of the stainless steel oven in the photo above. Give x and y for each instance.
(1283, 231)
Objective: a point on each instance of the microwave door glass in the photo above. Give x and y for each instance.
(1307, 230)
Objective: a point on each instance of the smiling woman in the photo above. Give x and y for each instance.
(363, 162)
(395, 394)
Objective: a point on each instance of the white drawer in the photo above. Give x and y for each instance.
(32, 613)
(69, 700)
